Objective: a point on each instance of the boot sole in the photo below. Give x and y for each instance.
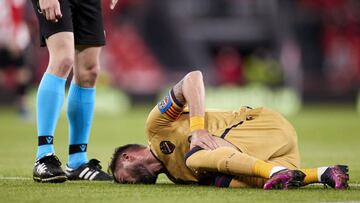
(55, 179)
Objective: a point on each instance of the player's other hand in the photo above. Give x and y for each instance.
(50, 9)
(113, 4)
(203, 139)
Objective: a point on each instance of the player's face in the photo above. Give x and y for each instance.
(135, 172)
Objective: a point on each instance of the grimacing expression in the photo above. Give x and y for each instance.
(136, 173)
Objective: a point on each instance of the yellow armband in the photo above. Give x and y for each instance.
(197, 123)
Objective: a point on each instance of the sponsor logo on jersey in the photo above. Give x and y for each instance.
(167, 147)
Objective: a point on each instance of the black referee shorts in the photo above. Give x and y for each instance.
(82, 17)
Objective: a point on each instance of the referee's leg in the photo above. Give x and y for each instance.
(51, 91)
(81, 101)
(61, 54)
(50, 98)
(87, 65)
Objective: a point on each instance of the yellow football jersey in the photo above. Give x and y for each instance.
(249, 130)
(168, 132)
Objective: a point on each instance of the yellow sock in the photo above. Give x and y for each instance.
(311, 175)
(262, 169)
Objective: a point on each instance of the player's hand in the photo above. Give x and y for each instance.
(50, 9)
(203, 139)
(113, 4)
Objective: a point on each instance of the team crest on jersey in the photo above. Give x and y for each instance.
(165, 104)
(167, 147)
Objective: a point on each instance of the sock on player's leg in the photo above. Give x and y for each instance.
(80, 114)
(231, 161)
(265, 170)
(313, 175)
(50, 97)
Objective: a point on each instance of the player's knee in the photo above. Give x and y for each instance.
(67, 62)
(93, 75)
(195, 73)
(62, 65)
(89, 75)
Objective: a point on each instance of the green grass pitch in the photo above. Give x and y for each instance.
(327, 135)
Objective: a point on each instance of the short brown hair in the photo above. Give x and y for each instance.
(118, 152)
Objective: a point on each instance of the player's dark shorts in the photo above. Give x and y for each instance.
(7, 60)
(82, 17)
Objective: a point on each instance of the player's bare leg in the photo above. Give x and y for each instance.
(50, 98)
(81, 100)
(87, 65)
(61, 54)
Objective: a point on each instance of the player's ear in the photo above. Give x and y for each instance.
(125, 157)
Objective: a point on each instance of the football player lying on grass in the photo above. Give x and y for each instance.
(242, 148)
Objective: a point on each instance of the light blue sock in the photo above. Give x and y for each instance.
(50, 98)
(80, 114)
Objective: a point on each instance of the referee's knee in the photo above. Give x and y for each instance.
(88, 75)
(61, 65)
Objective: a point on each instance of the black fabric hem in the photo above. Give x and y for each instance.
(175, 100)
(89, 42)
(46, 36)
(192, 151)
(227, 130)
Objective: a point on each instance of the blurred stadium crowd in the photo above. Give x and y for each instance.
(311, 46)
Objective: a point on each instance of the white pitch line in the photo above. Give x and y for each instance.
(350, 184)
(14, 178)
(27, 178)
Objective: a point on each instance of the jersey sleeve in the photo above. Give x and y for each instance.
(164, 113)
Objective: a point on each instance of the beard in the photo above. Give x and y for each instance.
(143, 175)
